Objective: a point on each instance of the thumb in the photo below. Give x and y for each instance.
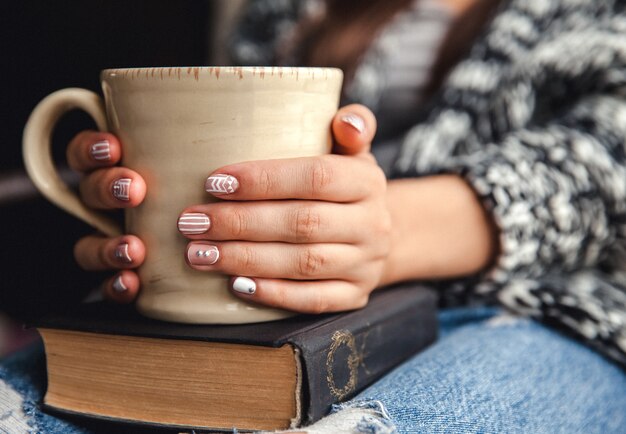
(353, 129)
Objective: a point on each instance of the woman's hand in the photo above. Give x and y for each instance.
(307, 234)
(304, 234)
(94, 154)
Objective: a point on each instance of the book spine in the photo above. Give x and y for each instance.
(342, 358)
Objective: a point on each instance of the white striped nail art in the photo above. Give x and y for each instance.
(193, 223)
(121, 189)
(101, 151)
(221, 184)
(121, 253)
(354, 121)
(118, 285)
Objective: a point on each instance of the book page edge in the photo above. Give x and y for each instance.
(297, 420)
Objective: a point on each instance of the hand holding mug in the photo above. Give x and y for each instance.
(307, 234)
(176, 125)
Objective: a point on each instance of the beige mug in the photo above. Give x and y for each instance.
(177, 125)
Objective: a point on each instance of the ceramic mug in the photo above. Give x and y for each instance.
(177, 125)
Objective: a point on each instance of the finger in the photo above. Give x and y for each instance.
(122, 288)
(116, 187)
(279, 260)
(354, 127)
(304, 297)
(288, 221)
(90, 150)
(334, 178)
(94, 253)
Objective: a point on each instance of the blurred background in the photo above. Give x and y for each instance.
(48, 45)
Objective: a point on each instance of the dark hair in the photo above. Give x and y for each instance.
(342, 34)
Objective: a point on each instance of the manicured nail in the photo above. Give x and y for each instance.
(221, 184)
(244, 285)
(121, 253)
(101, 151)
(192, 223)
(202, 254)
(354, 121)
(121, 189)
(118, 285)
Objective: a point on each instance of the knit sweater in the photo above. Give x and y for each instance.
(535, 120)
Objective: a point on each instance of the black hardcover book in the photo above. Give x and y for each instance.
(270, 375)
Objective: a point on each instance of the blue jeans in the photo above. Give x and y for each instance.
(490, 372)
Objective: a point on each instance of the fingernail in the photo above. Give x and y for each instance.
(244, 285)
(221, 184)
(121, 253)
(101, 151)
(202, 254)
(121, 189)
(354, 121)
(192, 223)
(118, 285)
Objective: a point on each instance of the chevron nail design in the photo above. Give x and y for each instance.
(221, 184)
(202, 254)
(100, 151)
(121, 253)
(121, 189)
(193, 223)
(118, 285)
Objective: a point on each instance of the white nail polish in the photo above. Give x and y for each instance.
(244, 285)
(354, 121)
(118, 285)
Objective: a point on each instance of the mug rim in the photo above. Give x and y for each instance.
(196, 71)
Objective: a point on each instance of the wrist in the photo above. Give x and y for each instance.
(439, 230)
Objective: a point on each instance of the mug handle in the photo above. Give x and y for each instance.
(38, 157)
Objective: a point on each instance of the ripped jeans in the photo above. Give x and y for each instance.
(490, 372)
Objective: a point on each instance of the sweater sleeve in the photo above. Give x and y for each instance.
(557, 193)
(539, 131)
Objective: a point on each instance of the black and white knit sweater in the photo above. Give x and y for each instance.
(535, 120)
